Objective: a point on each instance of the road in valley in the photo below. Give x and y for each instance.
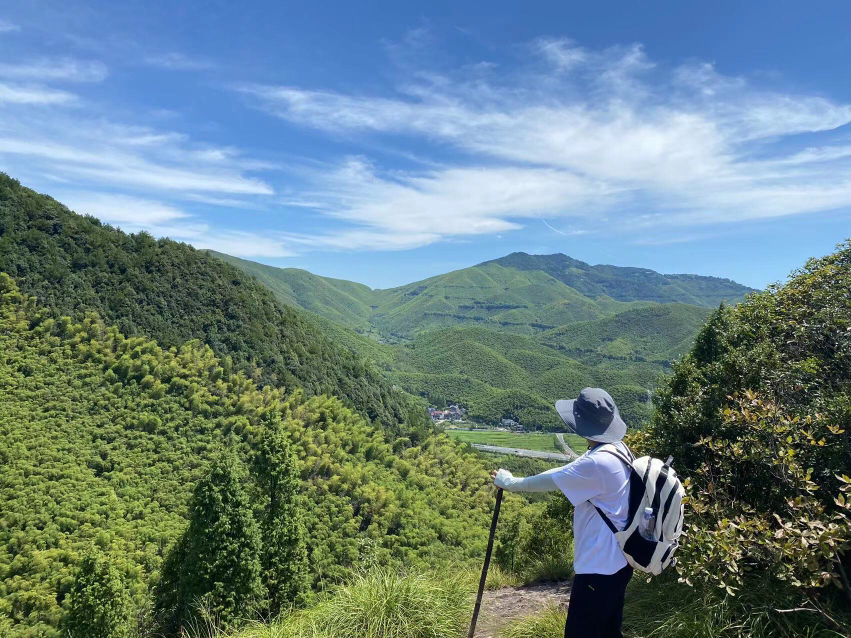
(534, 454)
(564, 446)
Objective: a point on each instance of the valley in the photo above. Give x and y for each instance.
(508, 337)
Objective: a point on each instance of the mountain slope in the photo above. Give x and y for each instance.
(500, 375)
(102, 438)
(628, 284)
(342, 301)
(660, 332)
(519, 293)
(173, 293)
(510, 336)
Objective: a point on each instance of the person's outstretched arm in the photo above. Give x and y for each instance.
(542, 482)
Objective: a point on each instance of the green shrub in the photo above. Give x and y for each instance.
(756, 416)
(98, 606)
(667, 608)
(536, 542)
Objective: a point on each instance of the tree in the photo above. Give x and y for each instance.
(216, 564)
(284, 554)
(98, 606)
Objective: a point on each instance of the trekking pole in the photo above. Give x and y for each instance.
(487, 564)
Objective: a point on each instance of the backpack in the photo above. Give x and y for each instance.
(652, 484)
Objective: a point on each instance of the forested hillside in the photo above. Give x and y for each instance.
(102, 437)
(757, 416)
(172, 293)
(507, 338)
(497, 375)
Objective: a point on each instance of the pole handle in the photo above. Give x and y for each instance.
(484, 577)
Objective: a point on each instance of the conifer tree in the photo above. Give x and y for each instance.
(216, 564)
(284, 555)
(98, 607)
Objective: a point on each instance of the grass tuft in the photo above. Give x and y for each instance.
(547, 624)
(381, 603)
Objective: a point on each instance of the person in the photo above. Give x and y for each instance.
(596, 479)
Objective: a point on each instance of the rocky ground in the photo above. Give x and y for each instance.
(503, 606)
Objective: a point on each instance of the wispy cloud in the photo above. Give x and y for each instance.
(58, 69)
(8, 27)
(583, 133)
(21, 94)
(119, 209)
(175, 61)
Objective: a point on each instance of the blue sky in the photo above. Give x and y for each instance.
(385, 142)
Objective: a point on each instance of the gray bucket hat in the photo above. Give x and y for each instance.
(593, 415)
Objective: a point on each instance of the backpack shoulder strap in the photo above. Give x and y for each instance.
(608, 448)
(606, 520)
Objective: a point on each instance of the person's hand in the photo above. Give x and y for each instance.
(500, 477)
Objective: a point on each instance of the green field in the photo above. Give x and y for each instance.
(525, 440)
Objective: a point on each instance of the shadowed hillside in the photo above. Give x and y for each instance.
(173, 293)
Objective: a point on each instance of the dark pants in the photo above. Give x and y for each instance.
(596, 605)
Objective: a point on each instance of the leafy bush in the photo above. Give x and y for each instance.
(98, 606)
(757, 418)
(667, 608)
(536, 542)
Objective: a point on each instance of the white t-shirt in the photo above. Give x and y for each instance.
(601, 479)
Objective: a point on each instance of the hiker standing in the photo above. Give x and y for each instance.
(596, 479)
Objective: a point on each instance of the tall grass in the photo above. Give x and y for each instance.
(547, 624)
(381, 603)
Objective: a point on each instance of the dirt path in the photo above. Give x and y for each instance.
(503, 606)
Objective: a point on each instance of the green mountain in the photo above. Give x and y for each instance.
(102, 437)
(510, 336)
(173, 293)
(341, 301)
(519, 293)
(659, 332)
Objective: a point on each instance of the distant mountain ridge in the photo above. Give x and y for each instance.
(626, 283)
(519, 293)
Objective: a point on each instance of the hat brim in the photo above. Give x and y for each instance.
(612, 433)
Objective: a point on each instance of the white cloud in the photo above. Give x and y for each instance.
(124, 210)
(58, 69)
(593, 133)
(110, 163)
(8, 27)
(175, 61)
(18, 94)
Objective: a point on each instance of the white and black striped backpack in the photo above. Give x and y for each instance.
(655, 485)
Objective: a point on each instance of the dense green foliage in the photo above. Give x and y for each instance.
(98, 607)
(661, 332)
(216, 562)
(284, 558)
(170, 292)
(102, 438)
(757, 417)
(497, 375)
